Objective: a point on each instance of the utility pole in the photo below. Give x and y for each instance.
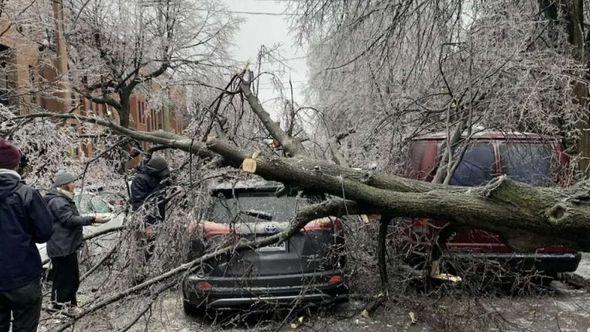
(61, 61)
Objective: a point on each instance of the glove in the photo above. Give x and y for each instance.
(101, 218)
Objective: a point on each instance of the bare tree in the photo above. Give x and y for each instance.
(431, 65)
(497, 64)
(118, 47)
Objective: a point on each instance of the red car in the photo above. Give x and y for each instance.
(529, 158)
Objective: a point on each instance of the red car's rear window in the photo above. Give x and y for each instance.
(529, 163)
(476, 166)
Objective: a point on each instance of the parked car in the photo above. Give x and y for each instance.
(95, 200)
(305, 269)
(524, 157)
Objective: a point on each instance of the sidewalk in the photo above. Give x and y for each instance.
(581, 277)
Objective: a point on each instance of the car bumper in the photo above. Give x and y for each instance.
(547, 263)
(278, 290)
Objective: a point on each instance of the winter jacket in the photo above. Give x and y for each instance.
(149, 188)
(67, 229)
(24, 221)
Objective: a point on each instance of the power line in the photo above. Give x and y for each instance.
(275, 60)
(247, 12)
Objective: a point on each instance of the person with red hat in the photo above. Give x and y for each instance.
(24, 221)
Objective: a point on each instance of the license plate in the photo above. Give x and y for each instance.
(281, 246)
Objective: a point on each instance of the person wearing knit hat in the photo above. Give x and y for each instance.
(148, 190)
(66, 240)
(10, 155)
(148, 194)
(24, 221)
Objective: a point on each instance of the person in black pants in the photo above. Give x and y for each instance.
(24, 221)
(66, 239)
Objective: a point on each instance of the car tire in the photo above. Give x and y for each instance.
(191, 309)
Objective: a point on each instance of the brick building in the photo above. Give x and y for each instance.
(28, 80)
(19, 68)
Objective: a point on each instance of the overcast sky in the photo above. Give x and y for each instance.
(272, 29)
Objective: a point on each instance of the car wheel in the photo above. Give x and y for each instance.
(545, 280)
(191, 309)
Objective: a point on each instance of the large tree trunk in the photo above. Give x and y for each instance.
(125, 110)
(61, 61)
(574, 15)
(572, 12)
(526, 217)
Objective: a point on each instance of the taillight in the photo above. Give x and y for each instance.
(335, 279)
(330, 224)
(211, 229)
(204, 286)
(421, 226)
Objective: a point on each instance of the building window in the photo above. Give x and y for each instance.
(33, 85)
(4, 78)
(141, 111)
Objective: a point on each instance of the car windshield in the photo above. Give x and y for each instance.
(476, 167)
(264, 205)
(87, 203)
(527, 162)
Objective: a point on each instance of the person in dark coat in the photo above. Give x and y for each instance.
(24, 221)
(149, 189)
(67, 237)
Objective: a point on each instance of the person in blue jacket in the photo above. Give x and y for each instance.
(24, 221)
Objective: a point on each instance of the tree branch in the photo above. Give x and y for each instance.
(291, 145)
(305, 215)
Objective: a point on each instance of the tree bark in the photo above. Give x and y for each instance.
(526, 217)
(125, 110)
(572, 12)
(61, 60)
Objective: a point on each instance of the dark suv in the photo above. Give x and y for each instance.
(525, 157)
(306, 268)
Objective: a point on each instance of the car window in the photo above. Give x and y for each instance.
(258, 205)
(527, 162)
(83, 203)
(99, 205)
(91, 204)
(476, 166)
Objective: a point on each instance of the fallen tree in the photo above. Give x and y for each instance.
(526, 217)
